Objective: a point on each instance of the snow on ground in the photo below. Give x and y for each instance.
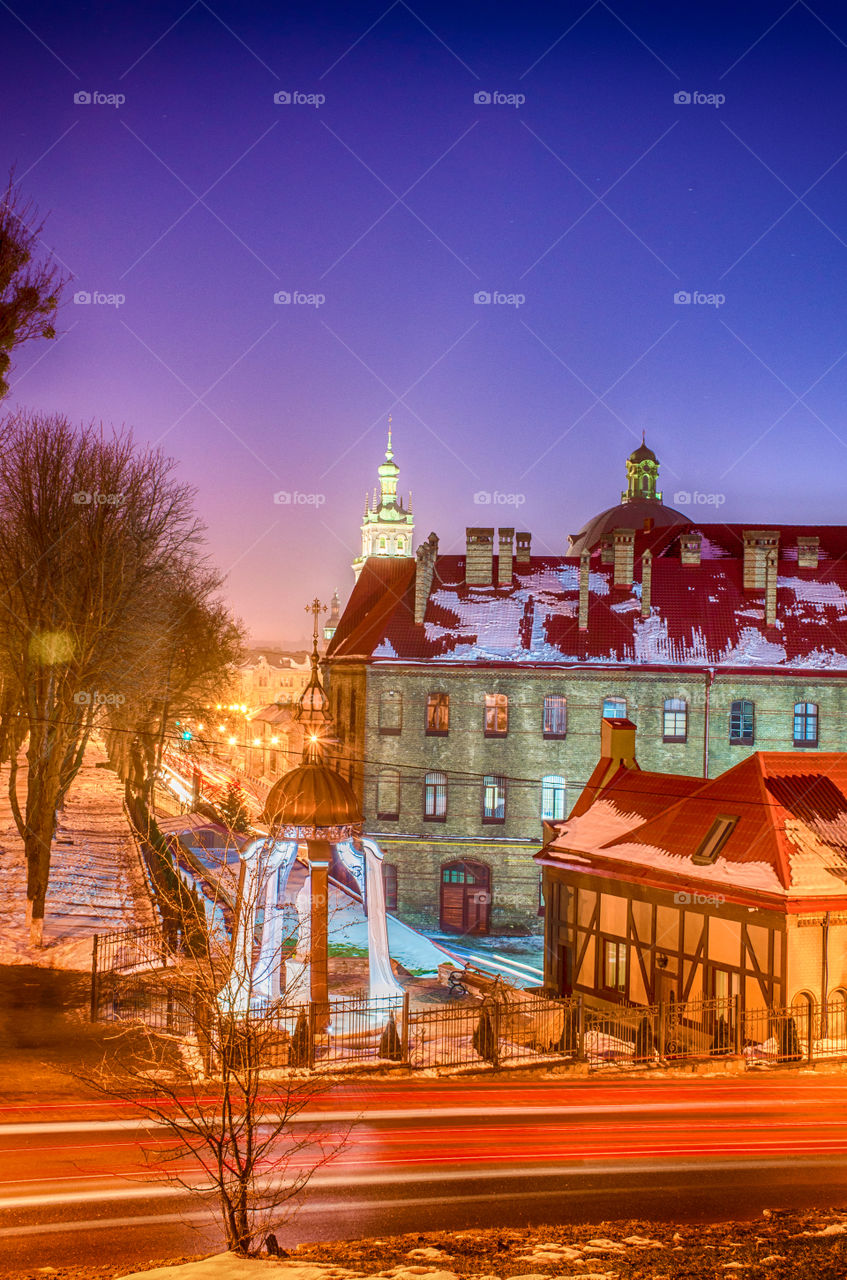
(348, 935)
(96, 883)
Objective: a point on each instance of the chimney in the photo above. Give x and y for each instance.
(607, 550)
(427, 554)
(617, 744)
(646, 582)
(770, 589)
(624, 555)
(479, 557)
(808, 552)
(504, 557)
(690, 548)
(757, 544)
(584, 563)
(522, 552)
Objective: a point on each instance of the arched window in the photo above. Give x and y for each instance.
(554, 795)
(614, 708)
(493, 798)
(382, 544)
(675, 720)
(742, 722)
(390, 711)
(496, 715)
(555, 723)
(389, 884)
(388, 794)
(435, 797)
(805, 724)
(401, 544)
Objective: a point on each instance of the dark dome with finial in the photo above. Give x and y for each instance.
(313, 802)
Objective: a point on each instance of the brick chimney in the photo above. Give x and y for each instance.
(584, 563)
(479, 557)
(690, 548)
(504, 557)
(770, 588)
(624, 556)
(646, 582)
(757, 544)
(426, 556)
(808, 553)
(522, 551)
(607, 550)
(617, 743)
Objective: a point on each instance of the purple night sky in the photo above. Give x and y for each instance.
(400, 197)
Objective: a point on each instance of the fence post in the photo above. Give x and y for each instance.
(404, 1030)
(580, 1029)
(661, 1028)
(736, 1024)
(810, 1032)
(313, 1010)
(94, 978)
(495, 1023)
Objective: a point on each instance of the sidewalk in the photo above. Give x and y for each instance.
(96, 882)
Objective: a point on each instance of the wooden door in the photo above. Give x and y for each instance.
(465, 897)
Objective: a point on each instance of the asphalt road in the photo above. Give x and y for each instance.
(429, 1155)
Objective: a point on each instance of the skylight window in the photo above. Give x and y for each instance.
(716, 837)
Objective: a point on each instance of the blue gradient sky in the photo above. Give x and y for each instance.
(398, 199)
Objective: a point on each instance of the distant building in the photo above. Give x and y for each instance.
(468, 691)
(268, 675)
(663, 887)
(388, 527)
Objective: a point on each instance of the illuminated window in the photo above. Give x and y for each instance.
(493, 798)
(555, 715)
(401, 544)
(388, 794)
(742, 722)
(437, 713)
(675, 723)
(496, 715)
(613, 955)
(805, 724)
(614, 708)
(554, 793)
(435, 797)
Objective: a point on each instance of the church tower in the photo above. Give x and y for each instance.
(642, 475)
(388, 527)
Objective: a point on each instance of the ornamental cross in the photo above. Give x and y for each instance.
(317, 609)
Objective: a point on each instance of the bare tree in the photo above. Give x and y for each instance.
(30, 285)
(231, 1083)
(91, 527)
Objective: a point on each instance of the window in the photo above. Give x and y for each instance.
(741, 722)
(613, 957)
(805, 724)
(382, 544)
(675, 724)
(401, 544)
(390, 712)
(715, 839)
(493, 798)
(352, 712)
(614, 708)
(435, 797)
(437, 713)
(554, 791)
(388, 794)
(389, 885)
(555, 715)
(496, 715)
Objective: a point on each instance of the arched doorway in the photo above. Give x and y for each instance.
(465, 897)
